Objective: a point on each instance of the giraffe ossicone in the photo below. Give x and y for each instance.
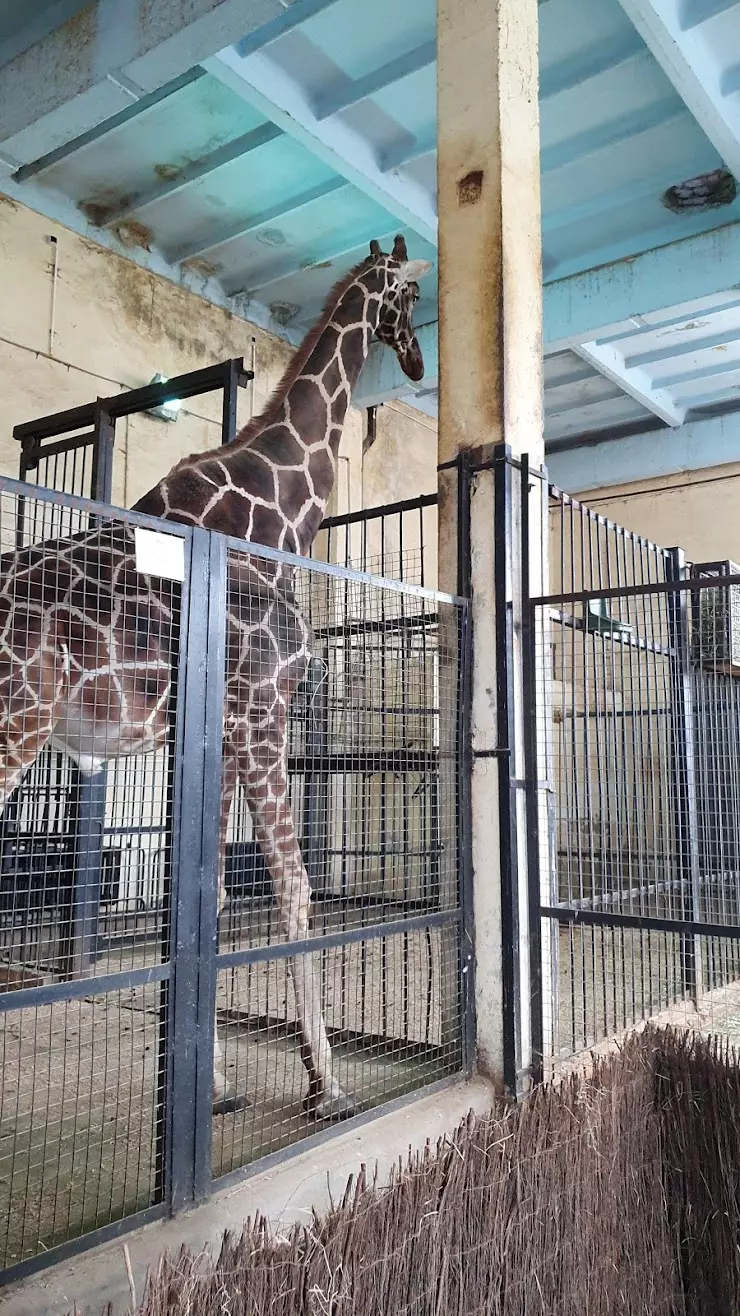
(85, 656)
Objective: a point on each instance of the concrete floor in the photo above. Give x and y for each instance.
(287, 1193)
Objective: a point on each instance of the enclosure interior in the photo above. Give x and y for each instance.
(638, 741)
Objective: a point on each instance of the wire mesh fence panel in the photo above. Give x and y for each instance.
(80, 1124)
(341, 752)
(396, 540)
(392, 1014)
(50, 791)
(639, 753)
(89, 654)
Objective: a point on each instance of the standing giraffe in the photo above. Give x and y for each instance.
(85, 657)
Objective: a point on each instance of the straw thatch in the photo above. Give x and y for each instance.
(613, 1193)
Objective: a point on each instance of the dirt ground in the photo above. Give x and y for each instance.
(79, 1135)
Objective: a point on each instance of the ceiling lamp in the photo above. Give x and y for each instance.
(169, 409)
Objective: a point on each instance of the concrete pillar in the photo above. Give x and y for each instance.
(490, 365)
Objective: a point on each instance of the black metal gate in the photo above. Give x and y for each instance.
(115, 973)
(632, 658)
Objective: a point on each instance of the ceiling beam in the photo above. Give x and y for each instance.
(601, 303)
(415, 148)
(293, 14)
(600, 57)
(694, 69)
(274, 93)
(195, 170)
(134, 111)
(113, 52)
(597, 464)
(292, 262)
(242, 227)
(625, 127)
(609, 361)
(385, 76)
(695, 12)
(604, 202)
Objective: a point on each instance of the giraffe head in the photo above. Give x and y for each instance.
(395, 327)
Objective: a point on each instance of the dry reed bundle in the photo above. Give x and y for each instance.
(612, 1194)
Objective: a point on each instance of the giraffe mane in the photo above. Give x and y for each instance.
(257, 424)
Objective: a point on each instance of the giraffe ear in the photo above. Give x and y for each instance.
(374, 248)
(412, 270)
(399, 248)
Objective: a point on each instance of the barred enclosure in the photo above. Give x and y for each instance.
(638, 759)
(334, 983)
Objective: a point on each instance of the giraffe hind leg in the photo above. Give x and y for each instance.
(267, 794)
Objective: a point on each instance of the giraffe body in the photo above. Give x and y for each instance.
(86, 642)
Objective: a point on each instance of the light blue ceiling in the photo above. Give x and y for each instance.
(217, 186)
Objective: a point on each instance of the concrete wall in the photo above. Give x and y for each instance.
(694, 510)
(111, 325)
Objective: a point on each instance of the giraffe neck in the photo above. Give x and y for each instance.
(300, 444)
(271, 485)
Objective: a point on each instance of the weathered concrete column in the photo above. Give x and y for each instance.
(490, 364)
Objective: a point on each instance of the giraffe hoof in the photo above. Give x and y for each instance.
(230, 1105)
(330, 1107)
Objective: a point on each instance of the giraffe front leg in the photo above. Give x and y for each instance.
(267, 793)
(225, 1100)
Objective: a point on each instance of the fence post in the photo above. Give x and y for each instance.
(463, 765)
(508, 786)
(232, 374)
(532, 696)
(198, 754)
(683, 741)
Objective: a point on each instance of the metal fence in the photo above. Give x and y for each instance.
(333, 981)
(397, 540)
(635, 751)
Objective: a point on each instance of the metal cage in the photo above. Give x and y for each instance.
(114, 976)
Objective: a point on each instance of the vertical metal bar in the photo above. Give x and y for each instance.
(683, 771)
(29, 460)
(101, 478)
(198, 756)
(505, 724)
(210, 856)
(77, 937)
(531, 695)
(230, 394)
(463, 768)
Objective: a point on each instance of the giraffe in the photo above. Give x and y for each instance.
(85, 661)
